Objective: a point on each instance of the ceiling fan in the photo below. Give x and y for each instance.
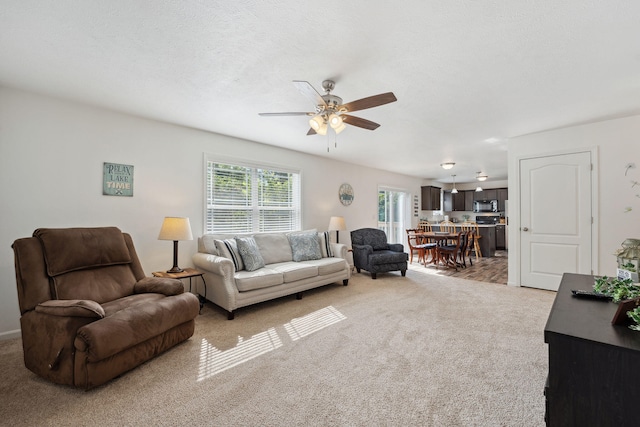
(330, 111)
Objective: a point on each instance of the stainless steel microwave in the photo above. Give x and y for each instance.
(485, 206)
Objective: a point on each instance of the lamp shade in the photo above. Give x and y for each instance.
(175, 228)
(337, 223)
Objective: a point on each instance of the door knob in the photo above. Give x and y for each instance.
(525, 229)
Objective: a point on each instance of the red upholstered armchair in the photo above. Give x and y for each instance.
(88, 313)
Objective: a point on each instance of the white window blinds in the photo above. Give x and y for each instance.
(245, 198)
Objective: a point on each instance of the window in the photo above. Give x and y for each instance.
(244, 198)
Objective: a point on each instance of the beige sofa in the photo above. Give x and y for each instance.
(232, 286)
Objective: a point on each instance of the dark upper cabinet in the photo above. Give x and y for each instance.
(454, 202)
(430, 198)
(489, 194)
(468, 200)
(503, 194)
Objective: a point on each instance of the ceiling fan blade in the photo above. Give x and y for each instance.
(287, 114)
(361, 123)
(369, 102)
(311, 132)
(307, 90)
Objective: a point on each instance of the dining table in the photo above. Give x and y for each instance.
(440, 238)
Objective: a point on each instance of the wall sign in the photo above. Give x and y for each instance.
(117, 180)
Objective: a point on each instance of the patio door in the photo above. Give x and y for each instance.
(393, 213)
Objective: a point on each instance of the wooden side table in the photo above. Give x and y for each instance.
(188, 273)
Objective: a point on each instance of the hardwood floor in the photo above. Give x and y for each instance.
(487, 269)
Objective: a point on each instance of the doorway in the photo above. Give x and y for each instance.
(556, 230)
(393, 213)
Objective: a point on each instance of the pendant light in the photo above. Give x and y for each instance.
(455, 190)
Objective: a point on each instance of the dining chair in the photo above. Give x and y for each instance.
(449, 255)
(448, 227)
(473, 226)
(424, 226)
(420, 245)
(413, 242)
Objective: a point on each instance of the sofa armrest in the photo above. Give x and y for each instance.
(220, 281)
(158, 285)
(339, 250)
(71, 308)
(396, 247)
(214, 264)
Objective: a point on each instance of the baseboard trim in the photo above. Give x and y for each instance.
(10, 335)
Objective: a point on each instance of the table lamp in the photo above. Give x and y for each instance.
(174, 228)
(337, 223)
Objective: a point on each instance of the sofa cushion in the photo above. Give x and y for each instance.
(292, 271)
(274, 247)
(262, 278)
(305, 246)
(228, 248)
(249, 253)
(328, 265)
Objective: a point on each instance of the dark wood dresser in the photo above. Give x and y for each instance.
(594, 366)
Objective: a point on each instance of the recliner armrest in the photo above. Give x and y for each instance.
(71, 308)
(158, 285)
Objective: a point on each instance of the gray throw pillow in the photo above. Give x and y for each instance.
(250, 253)
(305, 246)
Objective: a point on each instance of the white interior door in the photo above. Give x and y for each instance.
(555, 218)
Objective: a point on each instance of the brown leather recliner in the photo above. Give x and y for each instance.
(88, 313)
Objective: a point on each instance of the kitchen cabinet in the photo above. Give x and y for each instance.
(430, 198)
(488, 194)
(454, 202)
(501, 241)
(502, 195)
(468, 200)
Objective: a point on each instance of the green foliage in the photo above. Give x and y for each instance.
(629, 267)
(635, 316)
(618, 289)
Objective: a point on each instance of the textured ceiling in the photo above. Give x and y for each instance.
(463, 71)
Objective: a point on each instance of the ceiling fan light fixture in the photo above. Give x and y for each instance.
(316, 122)
(335, 120)
(340, 128)
(447, 165)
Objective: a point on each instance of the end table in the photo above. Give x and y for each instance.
(187, 273)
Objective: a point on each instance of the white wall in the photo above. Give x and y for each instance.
(51, 157)
(617, 143)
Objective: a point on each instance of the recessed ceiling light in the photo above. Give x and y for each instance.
(448, 165)
(492, 140)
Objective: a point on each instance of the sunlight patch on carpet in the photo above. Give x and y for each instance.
(313, 322)
(214, 361)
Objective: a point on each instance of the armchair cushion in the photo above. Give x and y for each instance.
(71, 308)
(159, 285)
(73, 249)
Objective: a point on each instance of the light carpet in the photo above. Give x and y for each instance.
(422, 350)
